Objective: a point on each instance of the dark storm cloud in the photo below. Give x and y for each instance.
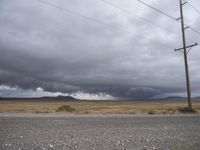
(42, 46)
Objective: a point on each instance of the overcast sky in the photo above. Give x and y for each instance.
(91, 50)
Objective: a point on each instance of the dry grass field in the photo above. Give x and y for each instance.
(95, 107)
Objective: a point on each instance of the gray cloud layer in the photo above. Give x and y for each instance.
(42, 46)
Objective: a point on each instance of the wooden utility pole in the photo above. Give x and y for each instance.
(185, 55)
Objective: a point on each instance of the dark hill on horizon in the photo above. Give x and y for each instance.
(44, 98)
(59, 97)
(71, 98)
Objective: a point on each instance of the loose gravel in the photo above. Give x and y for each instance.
(99, 132)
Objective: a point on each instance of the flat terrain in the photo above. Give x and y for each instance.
(94, 107)
(99, 132)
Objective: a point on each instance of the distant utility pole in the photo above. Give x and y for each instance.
(185, 54)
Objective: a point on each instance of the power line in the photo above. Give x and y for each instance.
(156, 9)
(97, 21)
(79, 14)
(142, 18)
(194, 30)
(169, 16)
(198, 11)
(137, 16)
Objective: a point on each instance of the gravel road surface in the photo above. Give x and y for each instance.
(99, 132)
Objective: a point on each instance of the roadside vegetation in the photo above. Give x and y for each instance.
(151, 112)
(186, 110)
(65, 108)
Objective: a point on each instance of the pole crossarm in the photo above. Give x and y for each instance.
(178, 49)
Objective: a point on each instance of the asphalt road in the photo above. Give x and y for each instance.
(110, 132)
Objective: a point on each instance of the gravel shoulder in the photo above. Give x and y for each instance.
(107, 132)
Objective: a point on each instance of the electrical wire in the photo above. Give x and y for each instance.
(158, 10)
(198, 11)
(137, 16)
(80, 15)
(169, 16)
(97, 21)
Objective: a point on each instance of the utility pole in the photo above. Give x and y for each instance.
(183, 28)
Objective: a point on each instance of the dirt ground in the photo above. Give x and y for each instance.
(95, 107)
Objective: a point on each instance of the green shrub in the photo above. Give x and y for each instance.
(132, 112)
(65, 108)
(169, 111)
(186, 110)
(151, 112)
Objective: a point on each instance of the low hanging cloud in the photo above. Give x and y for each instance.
(120, 56)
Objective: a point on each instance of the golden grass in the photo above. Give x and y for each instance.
(95, 107)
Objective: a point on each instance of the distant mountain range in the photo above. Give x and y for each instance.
(170, 98)
(47, 98)
(60, 97)
(179, 98)
(71, 98)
